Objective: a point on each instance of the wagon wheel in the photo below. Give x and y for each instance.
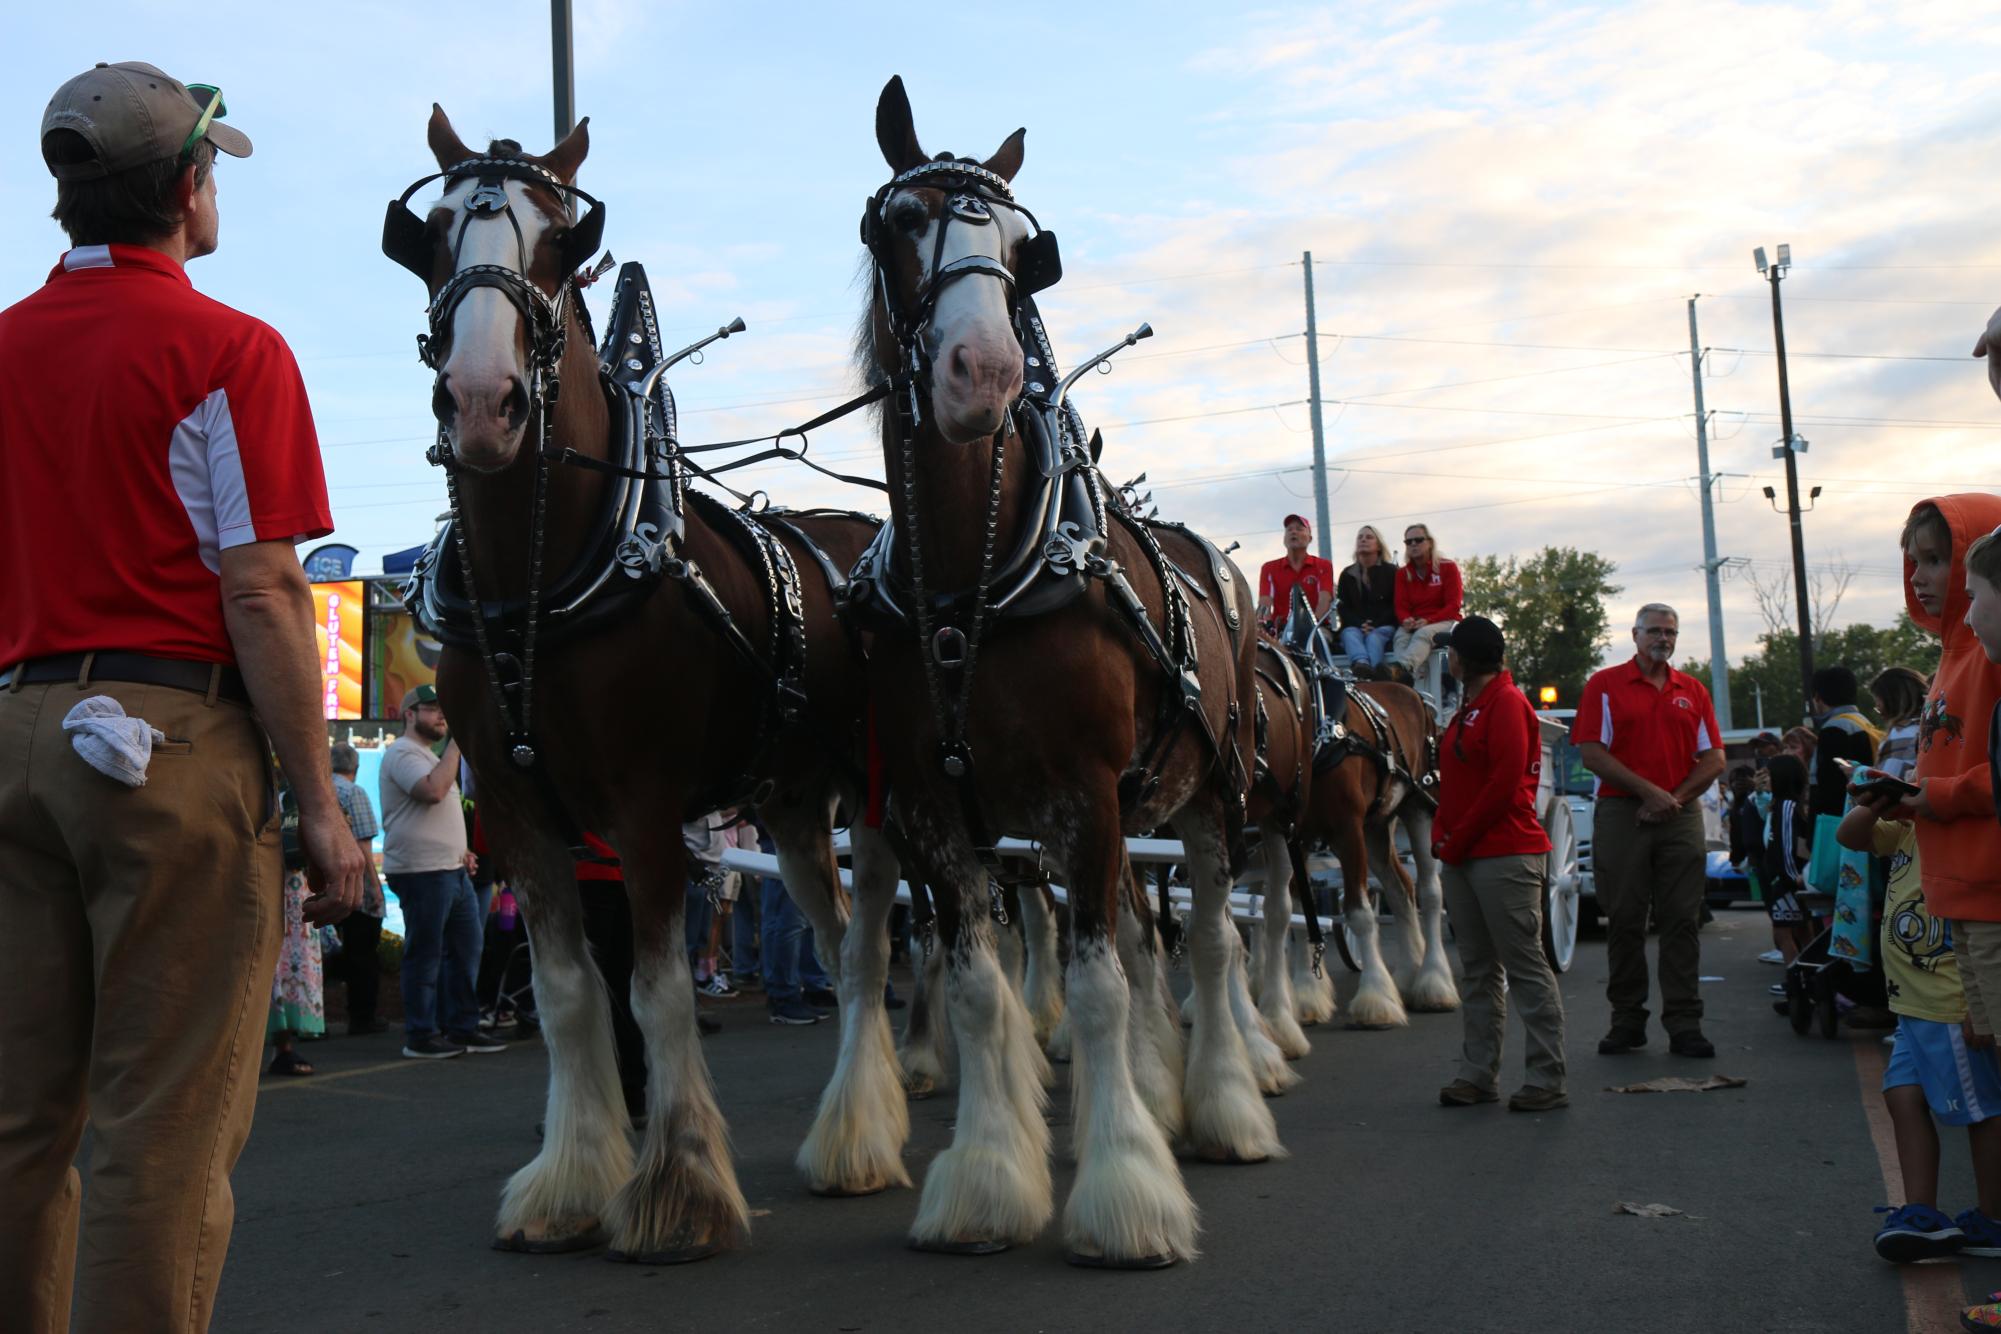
(1344, 940)
(1562, 888)
(1824, 1008)
(1799, 1006)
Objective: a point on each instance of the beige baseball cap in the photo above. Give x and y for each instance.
(131, 114)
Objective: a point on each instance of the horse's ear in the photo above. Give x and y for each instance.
(566, 157)
(1006, 160)
(446, 146)
(895, 130)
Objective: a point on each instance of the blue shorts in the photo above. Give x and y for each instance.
(1961, 1085)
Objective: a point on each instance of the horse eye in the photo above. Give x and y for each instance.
(909, 218)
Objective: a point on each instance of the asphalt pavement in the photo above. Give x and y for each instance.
(365, 1198)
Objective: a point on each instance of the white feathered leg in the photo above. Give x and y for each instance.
(1274, 997)
(856, 1144)
(1042, 989)
(1377, 1003)
(927, 1052)
(1268, 1065)
(1430, 985)
(1154, 1036)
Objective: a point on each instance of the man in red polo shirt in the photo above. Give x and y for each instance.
(1295, 569)
(157, 466)
(1649, 734)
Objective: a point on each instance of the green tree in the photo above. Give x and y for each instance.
(1773, 672)
(1552, 606)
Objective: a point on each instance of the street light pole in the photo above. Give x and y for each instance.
(562, 51)
(1773, 273)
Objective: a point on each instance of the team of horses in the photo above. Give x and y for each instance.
(1016, 652)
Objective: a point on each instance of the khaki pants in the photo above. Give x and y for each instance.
(141, 936)
(1413, 648)
(1496, 908)
(1977, 947)
(1656, 870)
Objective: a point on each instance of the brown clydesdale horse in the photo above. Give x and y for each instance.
(1060, 707)
(638, 726)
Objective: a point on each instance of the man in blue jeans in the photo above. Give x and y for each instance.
(428, 865)
(784, 954)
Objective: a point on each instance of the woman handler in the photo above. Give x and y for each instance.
(1495, 852)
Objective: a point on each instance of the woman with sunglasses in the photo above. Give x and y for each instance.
(1429, 600)
(1495, 854)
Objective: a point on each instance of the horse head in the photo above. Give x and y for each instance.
(498, 250)
(940, 224)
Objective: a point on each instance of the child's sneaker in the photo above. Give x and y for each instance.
(1916, 1232)
(1986, 1316)
(1983, 1234)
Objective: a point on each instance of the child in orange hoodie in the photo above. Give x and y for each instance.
(1959, 839)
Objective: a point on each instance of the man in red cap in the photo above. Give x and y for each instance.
(1311, 575)
(156, 649)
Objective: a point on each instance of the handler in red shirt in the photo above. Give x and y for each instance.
(157, 467)
(1295, 569)
(1649, 734)
(1496, 855)
(1429, 599)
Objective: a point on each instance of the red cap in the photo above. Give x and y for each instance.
(1299, 519)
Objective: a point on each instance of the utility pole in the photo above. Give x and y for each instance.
(1773, 274)
(1319, 433)
(563, 51)
(1719, 661)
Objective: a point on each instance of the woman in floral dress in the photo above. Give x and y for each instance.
(298, 991)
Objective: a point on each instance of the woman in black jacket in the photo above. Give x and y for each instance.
(1365, 600)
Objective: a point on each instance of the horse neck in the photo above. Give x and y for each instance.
(954, 495)
(501, 507)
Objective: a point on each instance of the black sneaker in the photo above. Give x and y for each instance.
(1622, 1040)
(432, 1048)
(480, 1044)
(793, 1012)
(1690, 1043)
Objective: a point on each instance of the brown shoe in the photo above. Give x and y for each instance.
(1398, 673)
(1464, 1093)
(1361, 671)
(1529, 1098)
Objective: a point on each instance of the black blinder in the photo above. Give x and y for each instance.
(871, 221)
(405, 240)
(1037, 263)
(584, 240)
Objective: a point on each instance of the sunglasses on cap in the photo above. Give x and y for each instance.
(216, 110)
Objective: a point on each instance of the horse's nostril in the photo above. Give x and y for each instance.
(443, 406)
(515, 404)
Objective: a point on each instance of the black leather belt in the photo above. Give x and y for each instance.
(135, 668)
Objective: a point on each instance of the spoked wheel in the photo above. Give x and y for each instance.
(1345, 941)
(1562, 888)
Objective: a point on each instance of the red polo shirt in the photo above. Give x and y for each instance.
(1489, 763)
(1432, 593)
(1657, 733)
(143, 429)
(1314, 577)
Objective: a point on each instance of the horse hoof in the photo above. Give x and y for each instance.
(1084, 1260)
(680, 1255)
(1369, 1028)
(1225, 1157)
(521, 1245)
(959, 1247)
(844, 1192)
(919, 1087)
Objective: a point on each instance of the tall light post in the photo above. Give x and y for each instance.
(562, 51)
(1787, 450)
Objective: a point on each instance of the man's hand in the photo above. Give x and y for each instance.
(471, 862)
(335, 867)
(1657, 806)
(1988, 345)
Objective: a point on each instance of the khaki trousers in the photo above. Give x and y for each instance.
(1413, 648)
(1496, 908)
(1977, 947)
(1656, 870)
(141, 936)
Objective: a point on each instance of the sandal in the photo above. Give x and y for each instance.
(288, 1063)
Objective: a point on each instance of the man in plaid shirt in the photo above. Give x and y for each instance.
(361, 930)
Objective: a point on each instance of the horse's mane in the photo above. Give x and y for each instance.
(504, 148)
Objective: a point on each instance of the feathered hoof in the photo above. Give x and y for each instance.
(1087, 1260)
(919, 1087)
(588, 1236)
(983, 1246)
(678, 1255)
(1431, 994)
(840, 1192)
(1372, 1009)
(1225, 1156)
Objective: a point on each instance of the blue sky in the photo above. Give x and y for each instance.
(1508, 205)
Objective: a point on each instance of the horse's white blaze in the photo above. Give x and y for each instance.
(856, 1143)
(1430, 985)
(971, 314)
(1129, 1201)
(485, 352)
(993, 1182)
(1275, 999)
(1042, 990)
(1227, 1117)
(1377, 1003)
(585, 1154)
